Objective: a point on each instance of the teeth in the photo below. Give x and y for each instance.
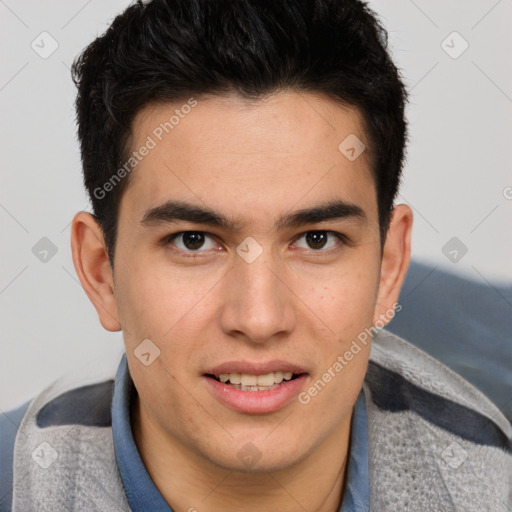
(245, 379)
(249, 380)
(235, 378)
(265, 380)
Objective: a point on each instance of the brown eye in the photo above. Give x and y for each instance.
(191, 241)
(319, 240)
(316, 239)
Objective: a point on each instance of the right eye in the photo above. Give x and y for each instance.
(189, 241)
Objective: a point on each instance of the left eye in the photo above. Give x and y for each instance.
(317, 240)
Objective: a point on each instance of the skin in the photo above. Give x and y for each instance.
(252, 162)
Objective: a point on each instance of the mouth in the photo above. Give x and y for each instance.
(255, 388)
(250, 382)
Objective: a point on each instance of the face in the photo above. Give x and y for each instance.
(252, 301)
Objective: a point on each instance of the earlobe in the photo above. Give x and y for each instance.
(395, 262)
(93, 268)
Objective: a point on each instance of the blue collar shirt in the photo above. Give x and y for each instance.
(143, 495)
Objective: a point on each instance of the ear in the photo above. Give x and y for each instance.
(93, 268)
(395, 262)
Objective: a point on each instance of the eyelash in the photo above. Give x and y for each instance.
(194, 254)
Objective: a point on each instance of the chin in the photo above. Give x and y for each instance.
(260, 456)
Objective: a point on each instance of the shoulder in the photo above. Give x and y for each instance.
(75, 399)
(465, 323)
(9, 425)
(434, 439)
(403, 377)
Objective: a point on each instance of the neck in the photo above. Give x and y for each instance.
(190, 483)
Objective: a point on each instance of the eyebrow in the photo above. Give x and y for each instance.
(173, 211)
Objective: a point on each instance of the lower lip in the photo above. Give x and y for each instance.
(256, 402)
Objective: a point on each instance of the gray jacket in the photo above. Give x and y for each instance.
(436, 443)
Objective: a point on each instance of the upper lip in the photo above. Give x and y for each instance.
(255, 368)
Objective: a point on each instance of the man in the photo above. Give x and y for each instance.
(242, 160)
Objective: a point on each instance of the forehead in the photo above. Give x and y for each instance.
(249, 157)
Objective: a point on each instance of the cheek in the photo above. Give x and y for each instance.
(170, 308)
(165, 395)
(332, 393)
(156, 300)
(342, 298)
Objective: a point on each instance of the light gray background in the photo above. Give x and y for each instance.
(458, 177)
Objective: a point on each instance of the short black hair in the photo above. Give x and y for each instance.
(171, 50)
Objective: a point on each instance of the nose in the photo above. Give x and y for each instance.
(259, 305)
